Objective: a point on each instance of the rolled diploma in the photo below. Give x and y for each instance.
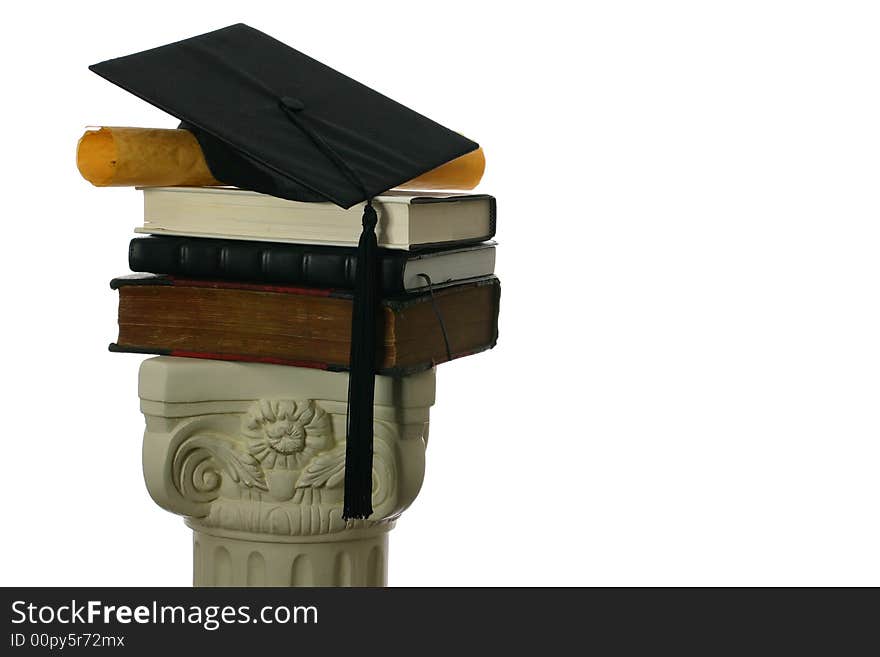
(119, 157)
(463, 172)
(148, 157)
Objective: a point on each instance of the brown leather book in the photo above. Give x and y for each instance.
(306, 327)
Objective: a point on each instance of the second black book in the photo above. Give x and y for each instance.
(305, 265)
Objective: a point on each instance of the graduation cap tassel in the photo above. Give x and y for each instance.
(361, 381)
(358, 496)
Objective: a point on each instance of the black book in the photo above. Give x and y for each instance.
(306, 265)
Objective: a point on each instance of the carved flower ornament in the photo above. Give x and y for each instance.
(286, 434)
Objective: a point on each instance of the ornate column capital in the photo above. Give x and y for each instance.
(253, 455)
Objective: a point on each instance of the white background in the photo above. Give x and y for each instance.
(685, 389)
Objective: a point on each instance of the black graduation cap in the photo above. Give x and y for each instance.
(273, 120)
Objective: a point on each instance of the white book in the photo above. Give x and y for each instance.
(405, 220)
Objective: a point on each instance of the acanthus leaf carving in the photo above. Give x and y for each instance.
(241, 466)
(326, 470)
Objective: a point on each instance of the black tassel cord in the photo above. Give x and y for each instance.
(358, 493)
(437, 314)
(361, 379)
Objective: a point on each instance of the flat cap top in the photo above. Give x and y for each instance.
(276, 121)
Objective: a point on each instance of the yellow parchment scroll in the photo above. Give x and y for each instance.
(150, 157)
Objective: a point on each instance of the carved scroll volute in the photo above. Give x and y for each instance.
(386, 481)
(187, 469)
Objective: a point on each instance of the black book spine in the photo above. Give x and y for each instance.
(260, 262)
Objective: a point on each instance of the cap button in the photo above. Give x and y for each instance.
(294, 104)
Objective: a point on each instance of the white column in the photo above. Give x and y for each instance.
(252, 456)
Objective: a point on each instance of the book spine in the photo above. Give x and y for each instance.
(258, 262)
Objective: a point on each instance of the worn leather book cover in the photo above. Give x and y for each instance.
(305, 327)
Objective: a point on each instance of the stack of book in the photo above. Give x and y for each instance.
(230, 274)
